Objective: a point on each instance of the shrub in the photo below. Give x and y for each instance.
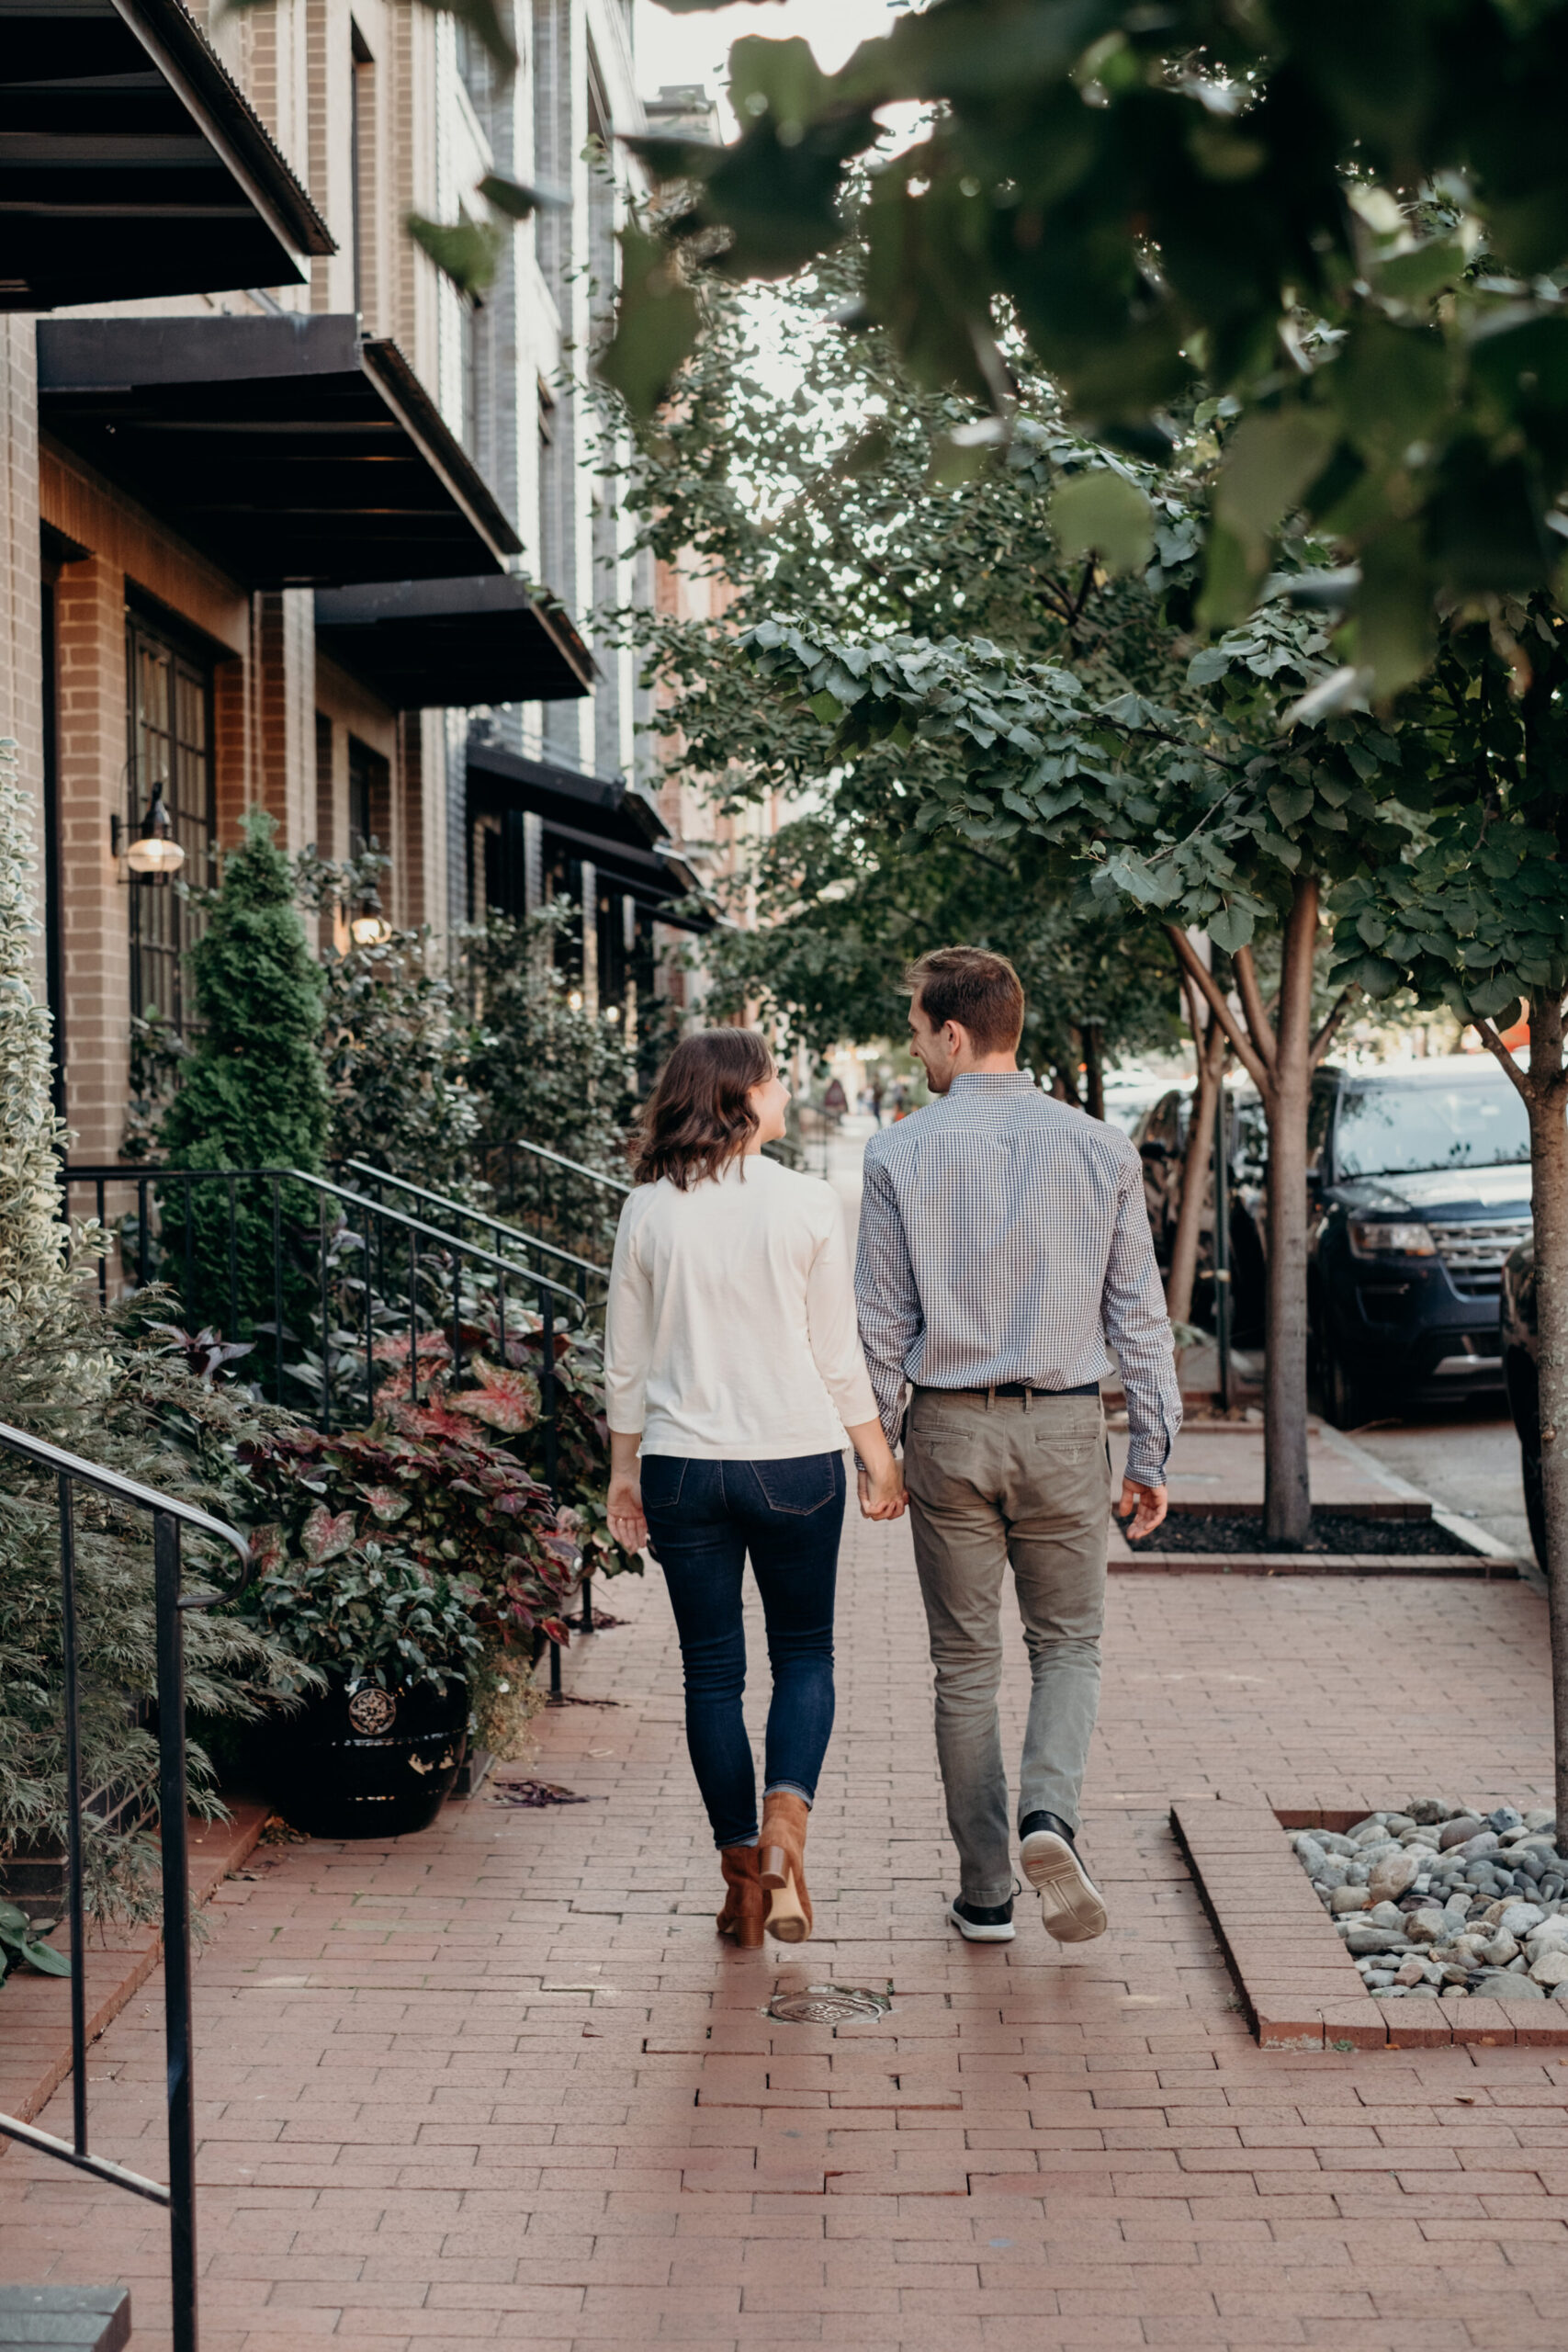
(252, 1090)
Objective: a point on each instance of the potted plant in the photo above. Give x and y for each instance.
(396, 1555)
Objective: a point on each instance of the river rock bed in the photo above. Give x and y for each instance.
(1446, 1899)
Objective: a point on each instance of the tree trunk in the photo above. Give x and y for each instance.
(1209, 1043)
(1094, 1071)
(1549, 1200)
(1287, 1493)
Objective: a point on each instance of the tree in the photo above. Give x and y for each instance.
(1476, 917)
(253, 1092)
(1153, 197)
(840, 914)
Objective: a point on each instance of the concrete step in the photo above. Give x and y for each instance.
(87, 2318)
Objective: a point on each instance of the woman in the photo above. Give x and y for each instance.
(731, 1360)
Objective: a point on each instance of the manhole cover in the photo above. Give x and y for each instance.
(828, 2005)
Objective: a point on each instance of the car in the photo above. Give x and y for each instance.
(1419, 1187)
(1521, 1377)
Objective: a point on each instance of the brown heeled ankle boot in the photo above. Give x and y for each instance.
(744, 1902)
(782, 1866)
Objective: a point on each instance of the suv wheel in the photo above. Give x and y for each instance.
(1344, 1397)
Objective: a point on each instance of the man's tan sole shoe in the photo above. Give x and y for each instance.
(1071, 1905)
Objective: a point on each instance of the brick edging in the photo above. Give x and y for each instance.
(1256, 1894)
(1316, 1564)
(35, 2013)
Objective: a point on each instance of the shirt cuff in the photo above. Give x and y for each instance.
(1145, 1471)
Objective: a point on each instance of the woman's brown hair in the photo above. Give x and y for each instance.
(697, 1117)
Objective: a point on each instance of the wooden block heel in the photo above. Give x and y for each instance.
(786, 1917)
(781, 1867)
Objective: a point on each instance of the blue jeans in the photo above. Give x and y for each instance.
(703, 1519)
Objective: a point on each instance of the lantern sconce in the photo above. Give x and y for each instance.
(369, 930)
(152, 855)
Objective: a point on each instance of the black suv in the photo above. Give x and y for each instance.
(1420, 1187)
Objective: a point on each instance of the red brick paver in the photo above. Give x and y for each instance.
(500, 2084)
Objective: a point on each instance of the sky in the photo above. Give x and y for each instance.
(693, 47)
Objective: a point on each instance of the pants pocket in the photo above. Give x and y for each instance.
(660, 1476)
(802, 1484)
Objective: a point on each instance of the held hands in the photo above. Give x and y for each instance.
(882, 1493)
(1147, 1505)
(623, 1511)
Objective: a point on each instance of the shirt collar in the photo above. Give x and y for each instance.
(995, 1081)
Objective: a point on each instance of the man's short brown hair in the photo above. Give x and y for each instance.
(969, 985)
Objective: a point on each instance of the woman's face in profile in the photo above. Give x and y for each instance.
(768, 1101)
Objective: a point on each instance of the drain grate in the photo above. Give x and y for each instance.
(829, 2005)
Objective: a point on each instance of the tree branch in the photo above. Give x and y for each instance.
(1252, 1006)
(1325, 1036)
(1499, 1052)
(1208, 987)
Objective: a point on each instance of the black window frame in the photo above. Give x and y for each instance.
(164, 923)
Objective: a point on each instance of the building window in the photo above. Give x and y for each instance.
(170, 736)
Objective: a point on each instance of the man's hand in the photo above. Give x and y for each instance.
(1147, 1505)
(881, 1498)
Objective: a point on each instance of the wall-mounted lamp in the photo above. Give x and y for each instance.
(368, 931)
(612, 1013)
(575, 1000)
(152, 853)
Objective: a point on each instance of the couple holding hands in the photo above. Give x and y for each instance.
(1004, 1252)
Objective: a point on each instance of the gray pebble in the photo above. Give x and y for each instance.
(1505, 1817)
(1454, 1833)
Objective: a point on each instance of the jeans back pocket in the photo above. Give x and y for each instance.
(799, 1484)
(660, 1476)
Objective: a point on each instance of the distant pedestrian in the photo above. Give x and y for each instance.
(731, 1363)
(877, 1101)
(835, 1101)
(1004, 1251)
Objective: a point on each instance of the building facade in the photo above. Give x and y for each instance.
(318, 543)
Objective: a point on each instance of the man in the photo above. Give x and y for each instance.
(1004, 1251)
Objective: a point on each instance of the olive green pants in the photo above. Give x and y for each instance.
(1023, 1481)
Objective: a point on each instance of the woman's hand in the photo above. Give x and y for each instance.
(622, 1504)
(623, 1511)
(882, 1490)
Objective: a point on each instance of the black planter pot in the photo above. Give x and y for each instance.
(362, 1761)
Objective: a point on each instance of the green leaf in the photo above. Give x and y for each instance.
(955, 462)
(655, 324)
(1393, 612)
(776, 77)
(1102, 513)
(464, 251)
(1291, 802)
(1231, 928)
(1271, 461)
(1391, 387)
(1416, 276)
(517, 199)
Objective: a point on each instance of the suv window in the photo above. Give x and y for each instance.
(1392, 1130)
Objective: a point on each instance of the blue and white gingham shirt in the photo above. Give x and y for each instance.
(1003, 1237)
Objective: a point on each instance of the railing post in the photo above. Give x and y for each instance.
(233, 1260)
(278, 1289)
(75, 1908)
(176, 1925)
(326, 1319)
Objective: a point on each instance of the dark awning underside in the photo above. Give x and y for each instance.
(130, 164)
(433, 644)
(288, 449)
(594, 816)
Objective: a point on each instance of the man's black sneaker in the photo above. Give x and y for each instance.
(982, 1923)
(1071, 1905)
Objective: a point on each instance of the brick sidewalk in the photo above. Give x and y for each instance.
(500, 2083)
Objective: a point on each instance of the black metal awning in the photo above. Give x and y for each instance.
(130, 164)
(601, 819)
(433, 644)
(293, 453)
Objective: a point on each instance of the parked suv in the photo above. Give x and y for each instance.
(1161, 1138)
(1420, 1188)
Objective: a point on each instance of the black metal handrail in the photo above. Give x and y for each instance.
(595, 1175)
(550, 1295)
(586, 1270)
(168, 1518)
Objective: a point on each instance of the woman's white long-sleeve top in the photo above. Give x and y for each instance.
(730, 1332)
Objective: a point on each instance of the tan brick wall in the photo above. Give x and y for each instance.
(95, 904)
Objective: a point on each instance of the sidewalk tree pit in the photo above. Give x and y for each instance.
(1446, 1899)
